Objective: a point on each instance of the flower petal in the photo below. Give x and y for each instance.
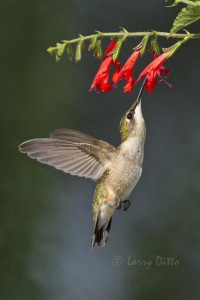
(127, 69)
(110, 48)
(127, 72)
(154, 65)
(101, 79)
(115, 74)
(155, 68)
(104, 86)
(129, 86)
(151, 82)
(102, 73)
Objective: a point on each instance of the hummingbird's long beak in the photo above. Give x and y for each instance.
(139, 97)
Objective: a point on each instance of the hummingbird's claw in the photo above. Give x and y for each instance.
(126, 203)
(119, 206)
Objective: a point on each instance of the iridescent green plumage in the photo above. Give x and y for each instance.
(124, 129)
(99, 196)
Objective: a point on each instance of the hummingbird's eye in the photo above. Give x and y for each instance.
(129, 116)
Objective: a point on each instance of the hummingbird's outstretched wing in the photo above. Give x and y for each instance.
(73, 152)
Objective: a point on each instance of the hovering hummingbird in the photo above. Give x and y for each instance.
(116, 170)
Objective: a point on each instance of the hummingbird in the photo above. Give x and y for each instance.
(115, 169)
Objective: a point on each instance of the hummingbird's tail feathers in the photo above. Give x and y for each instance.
(103, 223)
(100, 236)
(77, 158)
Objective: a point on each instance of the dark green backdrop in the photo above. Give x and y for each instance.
(46, 222)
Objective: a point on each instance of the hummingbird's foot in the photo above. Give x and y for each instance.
(119, 206)
(126, 203)
(118, 203)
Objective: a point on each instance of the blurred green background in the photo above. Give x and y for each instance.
(46, 221)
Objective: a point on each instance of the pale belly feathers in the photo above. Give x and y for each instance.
(121, 181)
(125, 172)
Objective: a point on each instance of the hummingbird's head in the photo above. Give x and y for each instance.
(132, 122)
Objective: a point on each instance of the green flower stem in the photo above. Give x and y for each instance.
(59, 49)
(135, 34)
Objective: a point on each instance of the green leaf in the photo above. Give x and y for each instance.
(93, 43)
(118, 46)
(186, 16)
(70, 52)
(98, 51)
(174, 4)
(52, 50)
(60, 50)
(117, 49)
(144, 45)
(79, 49)
(155, 47)
(186, 2)
(171, 50)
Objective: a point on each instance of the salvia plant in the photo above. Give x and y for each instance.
(189, 14)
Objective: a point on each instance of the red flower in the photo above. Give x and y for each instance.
(101, 79)
(127, 72)
(110, 48)
(155, 68)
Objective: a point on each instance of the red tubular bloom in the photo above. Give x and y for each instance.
(127, 72)
(101, 79)
(155, 68)
(110, 48)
